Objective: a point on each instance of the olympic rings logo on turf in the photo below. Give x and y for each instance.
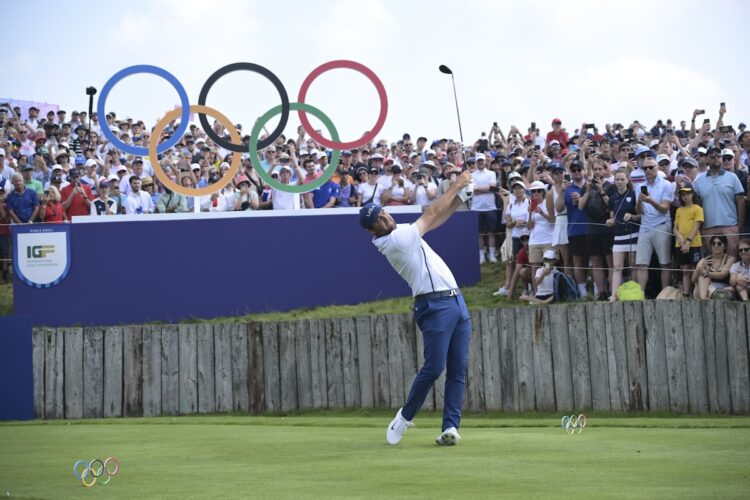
(183, 113)
(572, 422)
(96, 470)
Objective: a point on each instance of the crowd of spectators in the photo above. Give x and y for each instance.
(663, 205)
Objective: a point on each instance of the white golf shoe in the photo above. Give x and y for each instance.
(397, 428)
(449, 437)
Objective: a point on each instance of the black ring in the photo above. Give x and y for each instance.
(255, 68)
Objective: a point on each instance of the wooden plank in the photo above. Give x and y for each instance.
(170, 370)
(508, 365)
(206, 378)
(562, 369)
(223, 366)
(525, 359)
(695, 356)
(579, 356)
(737, 353)
(334, 370)
(132, 371)
(395, 365)
(409, 354)
(272, 378)
(674, 343)
(364, 355)
(240, 367)
(544, 378)
(256, 377)
(350, 359)
(597, 335)
(490, 359)
(38, 337)
(429, 402)
(53, 377)
(380, 362)
(474, 398)
(722, 359)
(188, 366)
(635, 343)
(151, 370)
(93, 373)
(287, 366)
(708, 315)
(656, 358)
(318, 364)
(304, 376)
(73, 372)
(617, 358)
(113, 371)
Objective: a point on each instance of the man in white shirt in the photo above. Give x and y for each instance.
(138, 202)
(439, 307)
(484, 203)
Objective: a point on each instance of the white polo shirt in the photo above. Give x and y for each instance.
(483, 202)
(415, 261)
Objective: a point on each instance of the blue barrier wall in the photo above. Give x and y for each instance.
(16, 372)
(174, 267)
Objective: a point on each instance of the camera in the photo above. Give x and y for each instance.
(533, 125)
(700, 112)
(90, 91)
(567, 177)
(588, 125)
(644, 190)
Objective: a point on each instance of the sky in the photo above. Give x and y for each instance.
(514, 62)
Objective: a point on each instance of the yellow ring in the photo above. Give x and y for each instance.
(88, 485)
(164, 178)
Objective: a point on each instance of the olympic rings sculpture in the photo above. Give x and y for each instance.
(183, 113)
(572, 422)
(96, 470)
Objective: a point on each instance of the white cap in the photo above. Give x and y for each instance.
(56, 166)
(2, 152)
(429, 163)
(194, 166)
(554, 142)
(727, 152)
(320, 155)
(90, 163)
(702, 151)
(122, 168)
(224, 165)
(653, 143)
(661, 158)
(479, 156)
(519, 182)
(430, 152)
(538, 185)
(376, 156)
(285, 167)
(550, 254)
(113, 177)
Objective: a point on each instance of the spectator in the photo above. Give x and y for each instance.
(541, 226)
(326, 195)
(214, 202)
(599, 237)
(739, 273)
(6, 171)
(149, 187)
(281, 200)
(397, 193)
(712, 272)
(622, 214)
(425, 188)
(483, 203)
(516, 218)
(138, 202)
(543, 280)
(347, 196)
(22, 204)
(29, 182)
(560, 234)
(188, 181)
(577, 223)
(104, 204)
(687, 225)
(50, 208)
(76, 197)
(371, 191)
(655, 233)
(723, 201)
(557, 134)
(246, 198)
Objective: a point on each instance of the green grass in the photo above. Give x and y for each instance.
(6, 299)
(344, 455)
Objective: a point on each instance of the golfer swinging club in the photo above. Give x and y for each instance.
(439, 308)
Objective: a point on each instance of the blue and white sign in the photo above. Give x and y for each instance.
(41, 253)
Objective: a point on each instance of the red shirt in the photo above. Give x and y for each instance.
(54, 212)
(78, 205)
(560, 136)
(522, 259)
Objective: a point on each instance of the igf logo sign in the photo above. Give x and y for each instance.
(39, 251)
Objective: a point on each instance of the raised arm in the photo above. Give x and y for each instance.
(443, 207)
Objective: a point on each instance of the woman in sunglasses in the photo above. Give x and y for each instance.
(711, 275)
(739, 273)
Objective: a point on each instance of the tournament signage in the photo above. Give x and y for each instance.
(41, 253)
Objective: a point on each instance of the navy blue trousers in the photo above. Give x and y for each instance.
(446, 329)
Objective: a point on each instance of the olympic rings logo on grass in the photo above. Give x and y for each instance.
(183, 113)
(91, 472)
(572, 422)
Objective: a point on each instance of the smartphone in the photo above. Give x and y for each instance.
(533, 125)
(566, 177)
(588, 125)
(534, 204)
(536, 147)
(680, 171)
(644, 190)
(707, 120)
(701, 112)
(726, 128)
(494, 124)
(723, 105)
(670, 131)
(631, 156)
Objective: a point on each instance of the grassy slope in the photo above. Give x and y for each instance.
(344, 456)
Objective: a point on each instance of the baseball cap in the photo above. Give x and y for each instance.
(518, 182)
(702, 151)
(479, 156)
(56, 166)
(195, 166)
(285, 167)
(104, 183)
(641, 149)
(122, 168)
(713, 149)
(368, 215)
(689, 161)
(537, 185)
(396, 168)
(113, 177)
(346, 153)
(555, 167)
(550, 255)
(241, 179)
(727, 152)
(554, 142)
(374, 170)
(556, 120)
(90, 163)
(429, 163)
(2, 152)
(28, 166)
(74, 172)
(685, 186)
(376, 156)
(662, 158)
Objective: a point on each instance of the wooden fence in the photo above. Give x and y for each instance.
(680, 356)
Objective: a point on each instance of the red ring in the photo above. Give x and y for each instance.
(342, 63)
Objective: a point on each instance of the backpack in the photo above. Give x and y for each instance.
(595, 206)
(630, 290)
(564, 289)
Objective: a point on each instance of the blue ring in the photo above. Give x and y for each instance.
(132, 70)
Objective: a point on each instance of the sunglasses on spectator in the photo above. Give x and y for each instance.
(727, 158)
(664, 163)
(717, 243)
(576, 169)
(537, 190)
(648, 167)
(743, 249)
(713, 156)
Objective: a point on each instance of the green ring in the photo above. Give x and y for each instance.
(294, 188)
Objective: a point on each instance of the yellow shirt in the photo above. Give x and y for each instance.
(684, 220)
